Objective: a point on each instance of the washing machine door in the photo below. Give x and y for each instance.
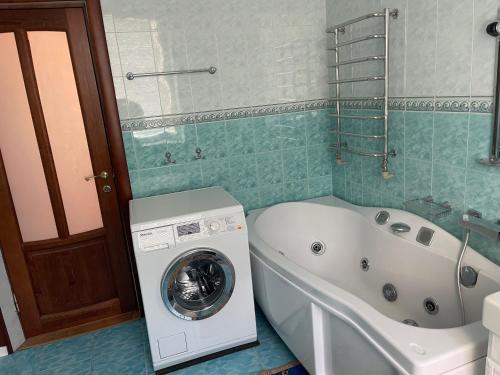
(198, 284)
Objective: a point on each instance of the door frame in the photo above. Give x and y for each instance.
(105, 86)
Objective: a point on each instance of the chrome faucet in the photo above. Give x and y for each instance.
(400, 228)
(473, 222)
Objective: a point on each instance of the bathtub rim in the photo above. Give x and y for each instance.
(457, 345)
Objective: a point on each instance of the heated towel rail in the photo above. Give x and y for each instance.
(339, 147)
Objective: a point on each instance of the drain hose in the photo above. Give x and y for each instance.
(458, 270)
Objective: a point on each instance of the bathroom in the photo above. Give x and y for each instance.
(257, 101)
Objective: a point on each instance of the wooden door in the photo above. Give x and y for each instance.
(60, 228)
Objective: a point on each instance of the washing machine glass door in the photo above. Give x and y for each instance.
(198, 284)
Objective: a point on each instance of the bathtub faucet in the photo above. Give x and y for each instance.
(472, 221)
(400, 228)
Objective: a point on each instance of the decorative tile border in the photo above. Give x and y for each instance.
(429, 104)
(224, 114)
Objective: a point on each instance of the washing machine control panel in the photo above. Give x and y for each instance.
(156, 238)
(207, 227)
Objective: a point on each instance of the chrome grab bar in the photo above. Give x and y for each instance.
(130, 76)
(357, 40)
(400, 228)
(357, 79)
(358, 60)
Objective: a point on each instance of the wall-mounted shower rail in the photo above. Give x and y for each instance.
(340, 147)
(130, 76)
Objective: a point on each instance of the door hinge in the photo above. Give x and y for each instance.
(16, 305)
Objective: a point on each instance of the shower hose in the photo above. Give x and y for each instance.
(458, 271)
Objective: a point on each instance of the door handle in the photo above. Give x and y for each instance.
(104, 175)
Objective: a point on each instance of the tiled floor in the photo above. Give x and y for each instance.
(123, 350)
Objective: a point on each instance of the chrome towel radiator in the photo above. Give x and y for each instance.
(339, 147)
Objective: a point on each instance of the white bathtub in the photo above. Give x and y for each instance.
(332, 314)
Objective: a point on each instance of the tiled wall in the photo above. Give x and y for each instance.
(266, 52)
(441, 81)
(437, 47)
(262, 160)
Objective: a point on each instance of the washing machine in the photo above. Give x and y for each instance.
(192, 255)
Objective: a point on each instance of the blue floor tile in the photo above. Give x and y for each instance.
(124, 350)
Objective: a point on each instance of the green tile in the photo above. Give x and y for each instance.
(181, 143)
(320, 160)
(448, 184)
(155, 181)
(128, 143)
(320, 186)
(212, 139)
(267, 133)
(356, 194)
(293, 130)
(483, 194)
(417, 178)
(239, 137)
(295, 164)
(269, 168)
(396, 132)
(186, 176)
(450, 138)
(480, 128)
(150, 147)
(418, 135)
(248, 198)
(216, 173)
(243, 173)
(270, 195)
(318, 125)
(295, 190)
(339, 181)
(371, 198)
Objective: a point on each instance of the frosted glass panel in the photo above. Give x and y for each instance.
(20, 151)
(63, 116)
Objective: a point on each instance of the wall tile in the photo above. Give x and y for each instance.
(450, 138)
(295, 190)
(239, 137)
(480, 190)
(181, 142)
(212, 139)
(418, 175)
(136, 52)
(320, 186)
(128, 143)
(267, 132)
(483, 56)
(421, 48)
(480, 128)
(418, 135)
(114, 55)
(448, 184)
(453, 58)
(121, 97)
(339, 181)
(293, 130)
(295, 164)
(319, 161)
(150, 147)
(143, 98)
(318, 126)
(216, 173)
(269, 168)
(243, 172)
(270, 195)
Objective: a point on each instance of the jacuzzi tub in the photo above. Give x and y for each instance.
(331, 312)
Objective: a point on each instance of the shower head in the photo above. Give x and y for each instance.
(493, 29)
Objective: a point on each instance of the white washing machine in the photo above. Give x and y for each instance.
(193, 262)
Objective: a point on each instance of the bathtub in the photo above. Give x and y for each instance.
(328, 305)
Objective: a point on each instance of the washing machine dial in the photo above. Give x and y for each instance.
(214, 226)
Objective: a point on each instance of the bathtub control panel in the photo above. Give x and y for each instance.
(425, 236)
